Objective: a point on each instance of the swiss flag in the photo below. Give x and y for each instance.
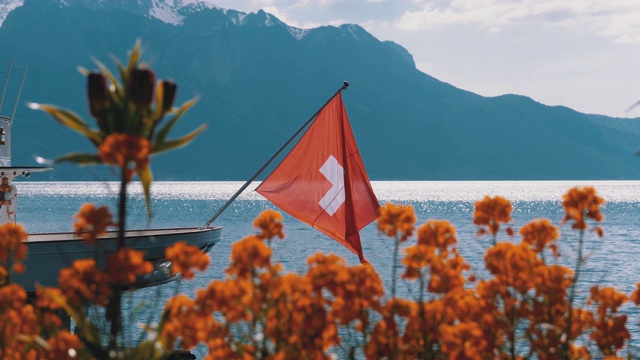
(322, 181)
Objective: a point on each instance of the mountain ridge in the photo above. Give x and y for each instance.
(257, 84)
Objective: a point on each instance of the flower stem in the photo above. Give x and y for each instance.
(114, 311)
(572, 293)
(393, 268)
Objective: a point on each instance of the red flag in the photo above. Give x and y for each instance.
(322, 181)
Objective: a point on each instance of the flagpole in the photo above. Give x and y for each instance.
(344, 86)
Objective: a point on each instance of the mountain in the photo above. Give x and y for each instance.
(259, 79)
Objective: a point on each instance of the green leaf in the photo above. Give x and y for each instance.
(105, 71)
(162, 134)
(134, 57)
(146, 177)
(173, 144)
(78, 158)
(158, 113)
(83, 71)
(73, 122)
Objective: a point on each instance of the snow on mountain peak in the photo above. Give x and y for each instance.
(168, 11)
(7, 6)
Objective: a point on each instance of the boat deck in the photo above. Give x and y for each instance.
(129, 234)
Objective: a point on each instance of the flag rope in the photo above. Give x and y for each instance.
(344, 86)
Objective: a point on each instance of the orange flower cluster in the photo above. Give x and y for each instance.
(184, 258)
(121, 149)
(270, 224)
(610, 331)
(258, 311)
(490, 212)
(84, 281)
(12, 248)
(540, 234)
(24, 325)
(580, 204)
(63, 346)
(396, 221)
(248, 255)
(435, 249)
(92, 222)
(635, 296)
(126, 265)
(521, 311)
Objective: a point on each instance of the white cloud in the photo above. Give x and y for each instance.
(578, 53)
(619, 20)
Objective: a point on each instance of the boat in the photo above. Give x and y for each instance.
(48, 253)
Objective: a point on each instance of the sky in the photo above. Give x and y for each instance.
(583, 54)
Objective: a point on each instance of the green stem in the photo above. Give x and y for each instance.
(393, 268)
(114, 311)
(427, 354)
(572, 293)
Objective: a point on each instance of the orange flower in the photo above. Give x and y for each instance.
(247, 255)
(418, 257)
(610, 331)
(62, 346)
(490, 212)
(513, 266)
(225, 297)
(464, 340)
(49, 322)
(326, 271)
(47, 298)
(422, 333)
(539, 233)
(435, 248)
(220, 347)
(437, 233)
(121, 149)
(579, 352)
(185, 257)
(12, 296)
(19, 324)
(12, 249)
(183, 321)
(446, 273)
(396, 220)
(356, 290)
(298, 322)
(635, 296)
(607, 298)
(385, 341)
(84, 281)
(125, 265)
(92, 222)
(12, 243)
(19, 267)
(270, 224)
(580, 202)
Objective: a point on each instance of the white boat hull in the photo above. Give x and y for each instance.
(49, 252)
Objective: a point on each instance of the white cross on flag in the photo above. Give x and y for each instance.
(322, 181)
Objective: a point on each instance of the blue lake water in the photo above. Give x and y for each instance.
(48, 207)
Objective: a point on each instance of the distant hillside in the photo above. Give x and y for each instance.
(259, 80)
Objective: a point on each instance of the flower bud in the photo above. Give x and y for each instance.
(141, 83)
(98, 94)
(168, 94)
